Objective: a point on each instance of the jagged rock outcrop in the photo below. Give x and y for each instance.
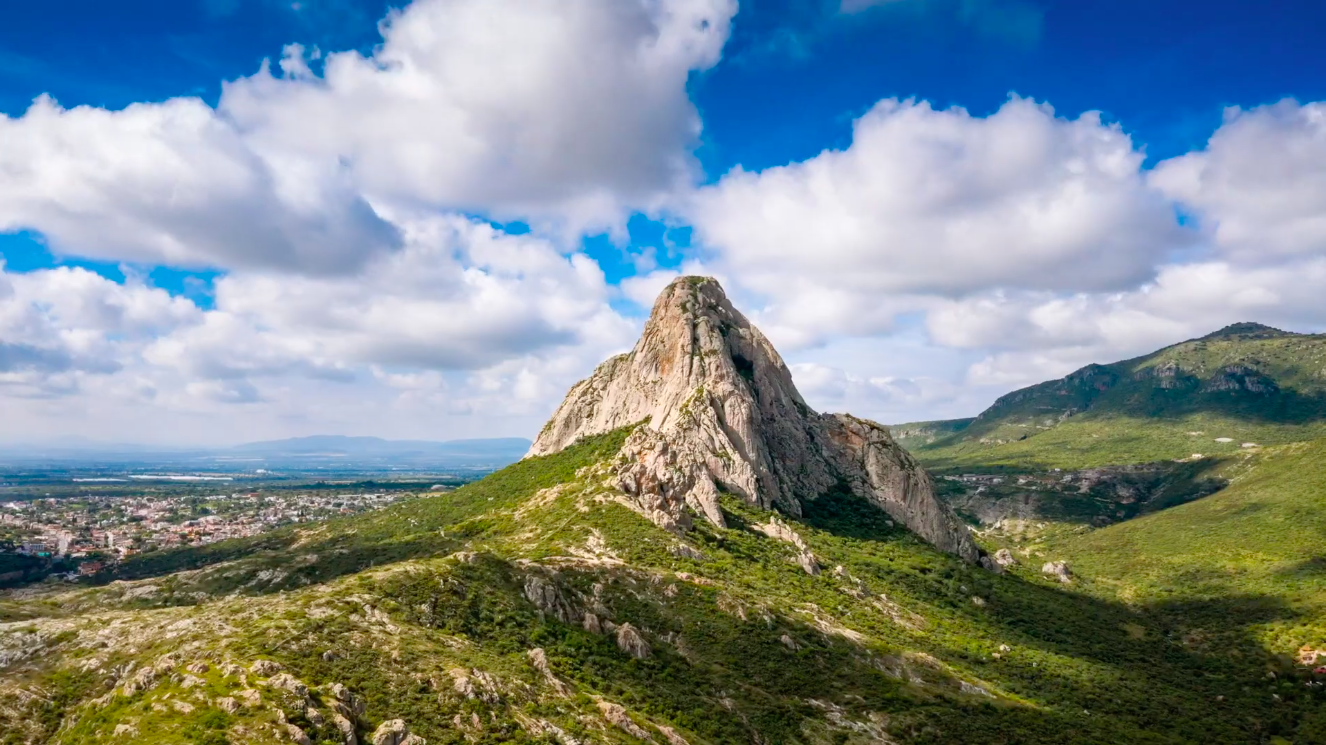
(630, 642)
(720, 411)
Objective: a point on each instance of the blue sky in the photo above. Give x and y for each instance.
(546, 182)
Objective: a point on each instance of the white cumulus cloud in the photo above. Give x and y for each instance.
(175, 183)
(940, 202)
(1259, 186)
(559, 111)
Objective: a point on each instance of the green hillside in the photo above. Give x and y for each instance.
(1262, 539)
(533, 606)
(913, 435)
(1246, 383)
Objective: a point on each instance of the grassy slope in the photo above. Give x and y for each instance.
(1127, 413)
(1263, 537)
(912, 435)
(893, 645)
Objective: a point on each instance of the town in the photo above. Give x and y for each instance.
(88, 534)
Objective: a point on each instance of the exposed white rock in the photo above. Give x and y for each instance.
(686, 551)
(539, 660)
(719, 408)
(672, 736)
(346, 703)
(141, 681)
(288, 682)
(227, 704)
(297, 735)
(617, 716)
(1059, 570)
(779, 530)
(808, 563)
(546, 596)
(630, 642)
(265, 667)
(346, 728)
(1004, 558)
(394, 732)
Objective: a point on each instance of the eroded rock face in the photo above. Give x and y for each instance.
(630, 642)
(720, 410)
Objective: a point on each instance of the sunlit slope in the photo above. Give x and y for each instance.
(1244, 384)
(1262, 539)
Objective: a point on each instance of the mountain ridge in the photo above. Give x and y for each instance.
(368, 444)
(1246, 382)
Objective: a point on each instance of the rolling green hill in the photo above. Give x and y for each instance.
(1246, 383)
(1262, 538)
(533, 606)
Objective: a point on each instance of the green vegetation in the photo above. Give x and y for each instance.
(1247, 383)
(411, 529)
(913, 435)
(1263, 539)
(891, 639)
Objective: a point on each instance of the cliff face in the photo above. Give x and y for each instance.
(721, 412)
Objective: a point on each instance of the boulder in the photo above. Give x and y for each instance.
(296, 735)
(346, 703)
(395, 732)
(346, 728)
(227, 704)
(1059, 570)
(288, 682)
(141, 681)
(265, 668)
(630, 642)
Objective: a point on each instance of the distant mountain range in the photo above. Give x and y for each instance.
(1246, 383)
(509, 449)
(472, 453)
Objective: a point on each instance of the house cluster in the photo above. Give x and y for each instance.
(96, 530)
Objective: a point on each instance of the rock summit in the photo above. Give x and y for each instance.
(719, 411)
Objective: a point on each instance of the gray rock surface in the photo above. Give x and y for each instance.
(1059, 570)
(719, 409)
(395, 732)
(630, 642)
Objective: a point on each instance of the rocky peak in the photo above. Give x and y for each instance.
(720, 411)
